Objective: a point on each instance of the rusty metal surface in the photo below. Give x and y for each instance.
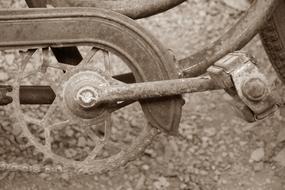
(127, 92)
(241, 78)
(66, 55)
(234, 39)
(103, 29)
(132, 8)
(157, 89)
(36, 95)
(28, 95)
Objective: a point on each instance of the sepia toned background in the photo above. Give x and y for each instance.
(216, 150)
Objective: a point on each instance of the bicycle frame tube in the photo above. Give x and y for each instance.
(134, 9)
(234, 39)
(194, 65)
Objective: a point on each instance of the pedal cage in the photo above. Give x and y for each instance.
(238, 74)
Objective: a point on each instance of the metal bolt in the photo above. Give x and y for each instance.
(254, 89)
(87, 97)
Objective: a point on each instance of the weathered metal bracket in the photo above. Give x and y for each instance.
(239, 76)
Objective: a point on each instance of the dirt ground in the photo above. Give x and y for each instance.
(216, 150)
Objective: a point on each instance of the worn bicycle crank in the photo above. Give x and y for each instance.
(77, 88)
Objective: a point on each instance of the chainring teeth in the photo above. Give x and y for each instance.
(85, 166)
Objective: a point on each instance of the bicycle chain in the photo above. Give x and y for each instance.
(59, 169)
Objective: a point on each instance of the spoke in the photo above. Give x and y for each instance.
(60, 66)
(107, 62)
(99, 144)
(59, 125)
(108, 124)
(32, 120)
(45, 61)
(30, 73)
(50, 112)
(88, 57)
(48, 139)
(27, 57)
(118, 145)
(52, 84)
(93, 136)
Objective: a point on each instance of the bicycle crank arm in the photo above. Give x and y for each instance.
(156, 89)
(113, 94)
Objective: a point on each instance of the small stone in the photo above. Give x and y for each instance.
(211, 131)
(69, 132)
(257, 155)
(69, 153)
(140, 183)
(258, 166)
(81, 142)
(3, 76)
(65, 176)
(281, 136)
(10, 58)
(44, 176)
(16, 131)
(242, 143)
(280, 158)
(145, 167)
(161, 183)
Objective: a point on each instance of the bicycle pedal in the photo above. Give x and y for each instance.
(238, 74)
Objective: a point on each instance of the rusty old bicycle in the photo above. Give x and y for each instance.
(88, 93)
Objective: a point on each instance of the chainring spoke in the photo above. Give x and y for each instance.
(88, 57)
(103, 144)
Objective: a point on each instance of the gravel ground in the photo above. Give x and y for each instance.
(216, 150)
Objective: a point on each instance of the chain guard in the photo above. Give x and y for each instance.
(109, 31)
(144, 55)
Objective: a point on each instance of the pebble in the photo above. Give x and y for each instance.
(281, 136)
(69, 153)
(280, 158)
(65, 176)
(16, 131)
(161, 183)
(3, 76)
(81, 142)
(257, 155)
(69, 132)
(145, 167)
(258, 166)
(45, 176)
(10, 58)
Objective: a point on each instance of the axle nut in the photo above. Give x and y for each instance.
(254, 89)
(87, 97)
